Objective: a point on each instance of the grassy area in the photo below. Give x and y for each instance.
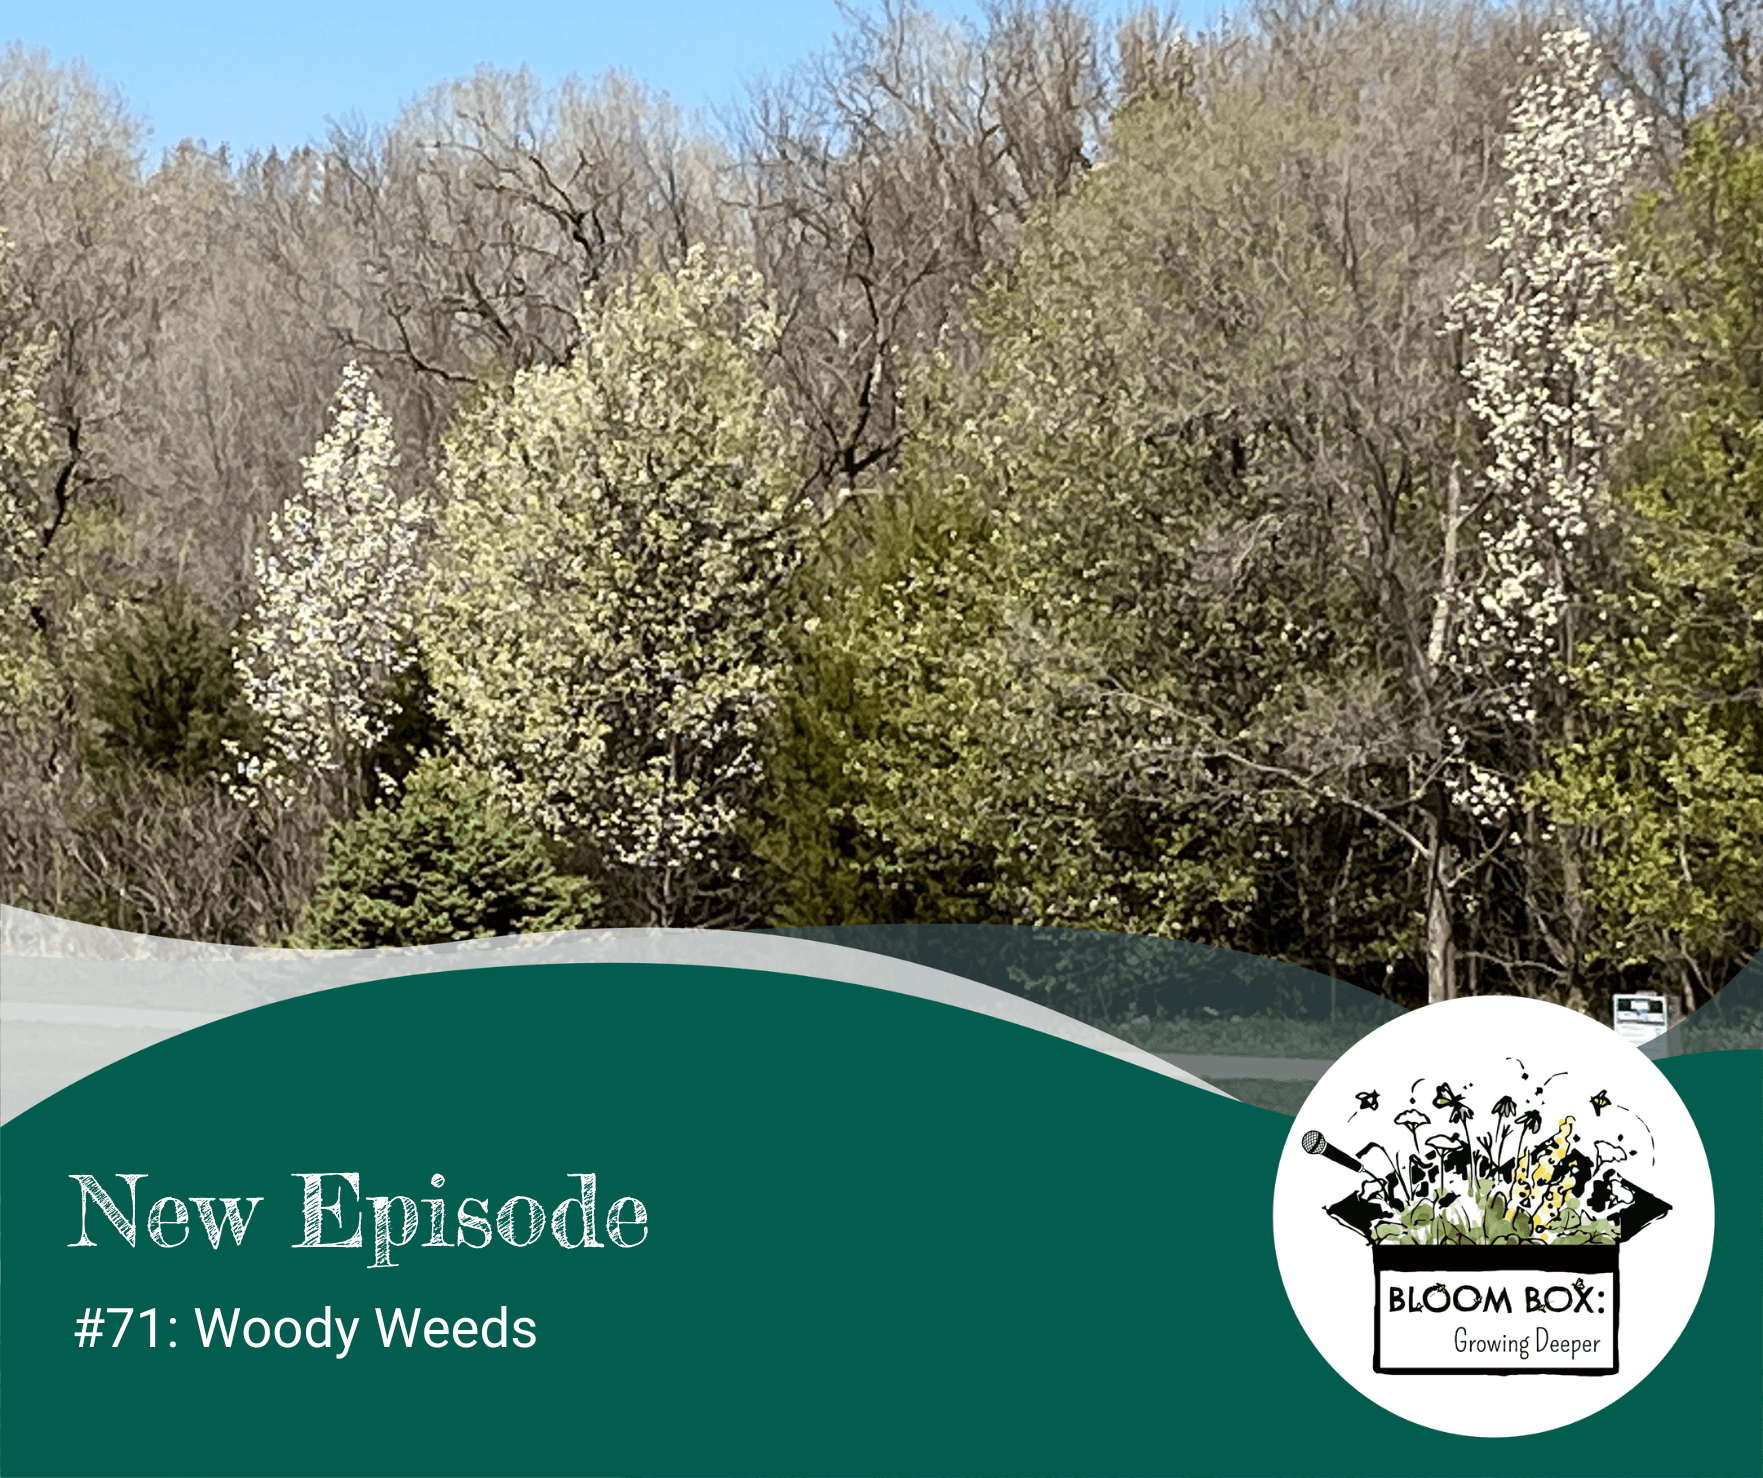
(1279, 1036)
(1706, 1031)
(1268, 1093)
(1245, 1036)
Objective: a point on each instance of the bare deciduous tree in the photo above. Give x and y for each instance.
(883, 179)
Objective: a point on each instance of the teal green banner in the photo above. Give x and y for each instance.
(600, 1219)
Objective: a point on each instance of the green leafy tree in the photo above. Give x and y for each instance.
(896, 791)
(26, 445)
(958, 766)
(1160, 657)
(73, 207)
(1669, 773)
(1205, 611)
(448, 860)
(600, 629)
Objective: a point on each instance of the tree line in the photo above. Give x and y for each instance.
(1292, 486)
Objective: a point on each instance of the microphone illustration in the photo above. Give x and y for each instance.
(1315, 1144)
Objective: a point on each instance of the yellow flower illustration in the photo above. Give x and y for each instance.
(1558, 1147)
(1536, 1204)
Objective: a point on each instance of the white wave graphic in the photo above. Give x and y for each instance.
(75, 998)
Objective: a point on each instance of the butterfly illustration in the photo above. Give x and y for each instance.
(1446, 1099)
(1600, 1102)
(1368, 1100)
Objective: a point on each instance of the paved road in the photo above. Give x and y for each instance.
(1282, 1069)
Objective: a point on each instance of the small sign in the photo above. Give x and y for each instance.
(1639, 1018)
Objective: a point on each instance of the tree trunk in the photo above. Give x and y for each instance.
(1441, 950)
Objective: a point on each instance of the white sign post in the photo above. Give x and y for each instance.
(1640, 1017)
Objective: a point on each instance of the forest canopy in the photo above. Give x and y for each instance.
(1294, 486)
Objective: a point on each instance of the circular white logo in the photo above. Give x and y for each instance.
(1488, 1188)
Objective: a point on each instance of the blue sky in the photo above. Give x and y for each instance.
(252, 79)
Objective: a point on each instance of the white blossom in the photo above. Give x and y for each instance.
(333, 620)
(1543, 379)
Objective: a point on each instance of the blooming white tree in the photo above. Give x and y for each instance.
(1547, 381)
(1544, 375)
(599, 626)
(332, 625)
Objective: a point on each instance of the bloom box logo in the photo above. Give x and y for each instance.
(1495, 1310)
(1474, 1171)
(1493, 1253)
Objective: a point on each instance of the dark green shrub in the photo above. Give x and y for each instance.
(445, 861)
(161, 692)
(413, 730)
